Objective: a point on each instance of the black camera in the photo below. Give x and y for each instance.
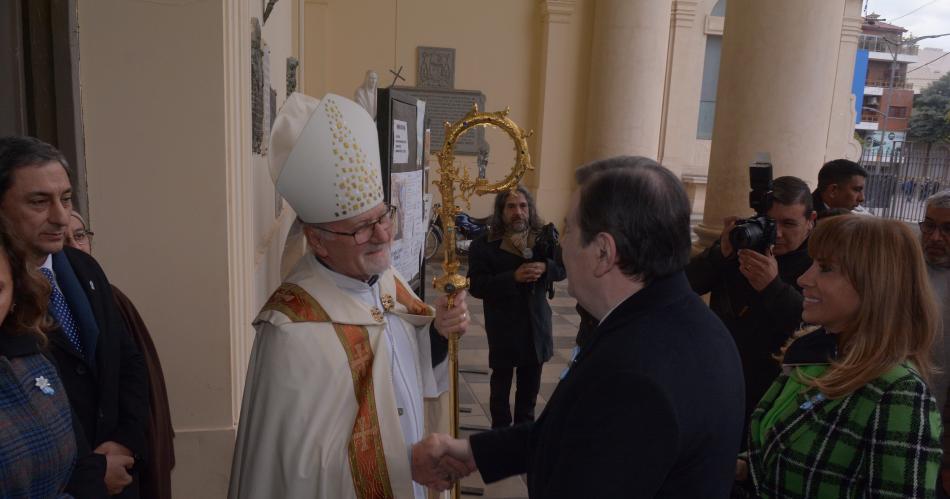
(546, 246)
(757, 233)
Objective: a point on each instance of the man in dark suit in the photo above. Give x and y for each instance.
(103, 372)
(651, 406)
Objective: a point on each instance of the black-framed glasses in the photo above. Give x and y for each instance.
(82, 236)
(365, 232)
(927, 227)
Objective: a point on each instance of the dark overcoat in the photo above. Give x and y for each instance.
(108, 390)
(517, 315)
(156, 475)
(651, 407)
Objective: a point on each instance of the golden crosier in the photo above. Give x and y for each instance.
(454, 184)
(450, 177)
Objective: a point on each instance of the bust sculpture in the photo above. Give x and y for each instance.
(365, 94)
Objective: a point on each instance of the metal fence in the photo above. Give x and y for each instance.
(902, 175)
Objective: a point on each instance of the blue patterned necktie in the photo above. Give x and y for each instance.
(59, 309)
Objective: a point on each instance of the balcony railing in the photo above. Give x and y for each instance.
(898, 83)
(877, 44)
(896, 116)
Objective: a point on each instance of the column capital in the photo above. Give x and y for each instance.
(851, 28)
(684, 13)
(557, 11)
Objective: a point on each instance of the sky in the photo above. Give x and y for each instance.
(933, 18)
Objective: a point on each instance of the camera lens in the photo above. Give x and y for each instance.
(745, 236)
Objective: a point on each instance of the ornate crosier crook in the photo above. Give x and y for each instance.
(451, 282)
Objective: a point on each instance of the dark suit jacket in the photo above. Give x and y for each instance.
(651, 407)
(108, 390)
(817, 203)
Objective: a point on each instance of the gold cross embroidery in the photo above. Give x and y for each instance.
(362, 355)
(364, 435)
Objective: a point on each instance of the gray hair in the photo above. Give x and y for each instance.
(939, 200)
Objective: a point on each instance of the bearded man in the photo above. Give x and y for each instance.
(511, 269)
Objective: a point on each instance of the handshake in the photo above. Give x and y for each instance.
(438, 461)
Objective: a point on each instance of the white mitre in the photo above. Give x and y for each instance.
(324, 158)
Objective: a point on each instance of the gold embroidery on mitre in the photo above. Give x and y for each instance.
(355, 179)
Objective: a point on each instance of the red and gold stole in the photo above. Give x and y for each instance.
(367, 460)
(414, 305)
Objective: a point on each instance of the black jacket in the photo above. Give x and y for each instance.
(760, 322)
(517, 315)
(109, 390)
(651, 407)
(818, 203)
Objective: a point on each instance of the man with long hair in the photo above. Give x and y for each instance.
(511, 268)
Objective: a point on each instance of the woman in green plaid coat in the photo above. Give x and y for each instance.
(851, 415)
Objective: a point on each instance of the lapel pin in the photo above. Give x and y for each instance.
(377, 314)
(92, 286)
(43, 384)
(809, 404)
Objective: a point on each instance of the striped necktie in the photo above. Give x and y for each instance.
(59, 309)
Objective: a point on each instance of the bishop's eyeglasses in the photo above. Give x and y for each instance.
(365, 232)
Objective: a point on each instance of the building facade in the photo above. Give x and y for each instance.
(186, 217)
(888, 96)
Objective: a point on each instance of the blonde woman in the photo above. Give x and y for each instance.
(851, 414)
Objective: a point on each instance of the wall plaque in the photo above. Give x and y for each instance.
(436, 67)
(292, 64)
(451, 106)
(257, 87)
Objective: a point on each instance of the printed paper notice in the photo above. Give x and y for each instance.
(400, 142)
(410, 231)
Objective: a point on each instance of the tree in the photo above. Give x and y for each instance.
(930, 121)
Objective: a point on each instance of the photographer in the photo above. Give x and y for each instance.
(756, 294)
(511, 269)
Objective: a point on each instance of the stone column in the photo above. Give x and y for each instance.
(681, 102)
(628, 71)
(841, 141)
(776, 89)
(556, 137)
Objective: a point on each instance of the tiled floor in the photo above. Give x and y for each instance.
(473, 385)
